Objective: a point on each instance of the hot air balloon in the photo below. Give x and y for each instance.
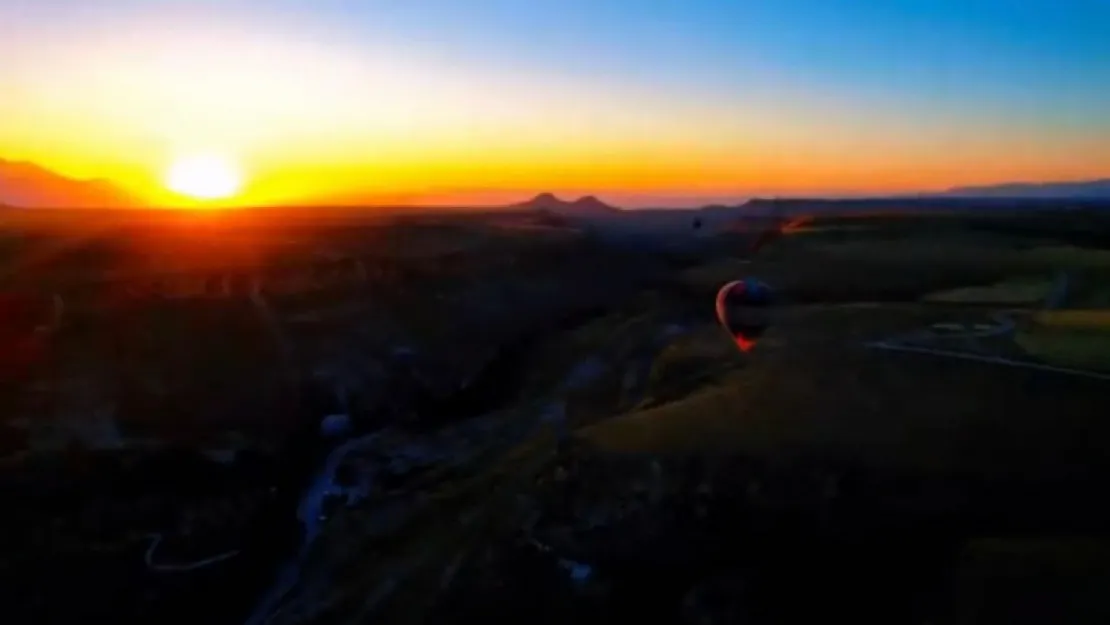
(742, 310)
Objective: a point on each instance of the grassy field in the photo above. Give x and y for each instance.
(1015, 292)
(1094, 320)
(901, 245)
(809, 386)
(812, 392)
(806, 394)
(1069, 338)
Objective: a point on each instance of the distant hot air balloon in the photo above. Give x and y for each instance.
(742, 310)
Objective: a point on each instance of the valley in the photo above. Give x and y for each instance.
(444, 417)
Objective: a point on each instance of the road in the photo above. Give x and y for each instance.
(156, 539)
(1004, 325)
(993, 360)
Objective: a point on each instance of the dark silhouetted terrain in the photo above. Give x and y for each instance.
(1091, 189)
(28, 185)
(345, 416)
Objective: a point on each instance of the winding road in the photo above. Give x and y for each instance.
(993, 360)
(156, 539)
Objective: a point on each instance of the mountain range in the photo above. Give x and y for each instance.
(27, 185)
(1089, 189)
(591, 207)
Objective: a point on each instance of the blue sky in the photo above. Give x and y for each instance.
(993, 50)
(1004, 75)
(895, 52)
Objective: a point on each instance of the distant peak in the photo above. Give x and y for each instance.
(591, 203)
(549, 202)
(30, 185)
(589, 200)
(545, 202)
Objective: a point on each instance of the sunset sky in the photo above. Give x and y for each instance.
(478, 101)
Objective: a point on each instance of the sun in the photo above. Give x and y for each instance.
(204, 177)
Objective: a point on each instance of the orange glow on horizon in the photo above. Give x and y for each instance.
(302, 172)
(341, 122)
(515, 175)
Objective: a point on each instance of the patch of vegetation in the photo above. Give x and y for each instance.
(1078, 339)
(1015, 292)
(688, 363)
(1075, 319)
(1077, 349)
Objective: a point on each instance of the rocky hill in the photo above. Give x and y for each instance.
(29, 185)
(588, 206)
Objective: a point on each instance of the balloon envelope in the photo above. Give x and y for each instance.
(742, 311)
